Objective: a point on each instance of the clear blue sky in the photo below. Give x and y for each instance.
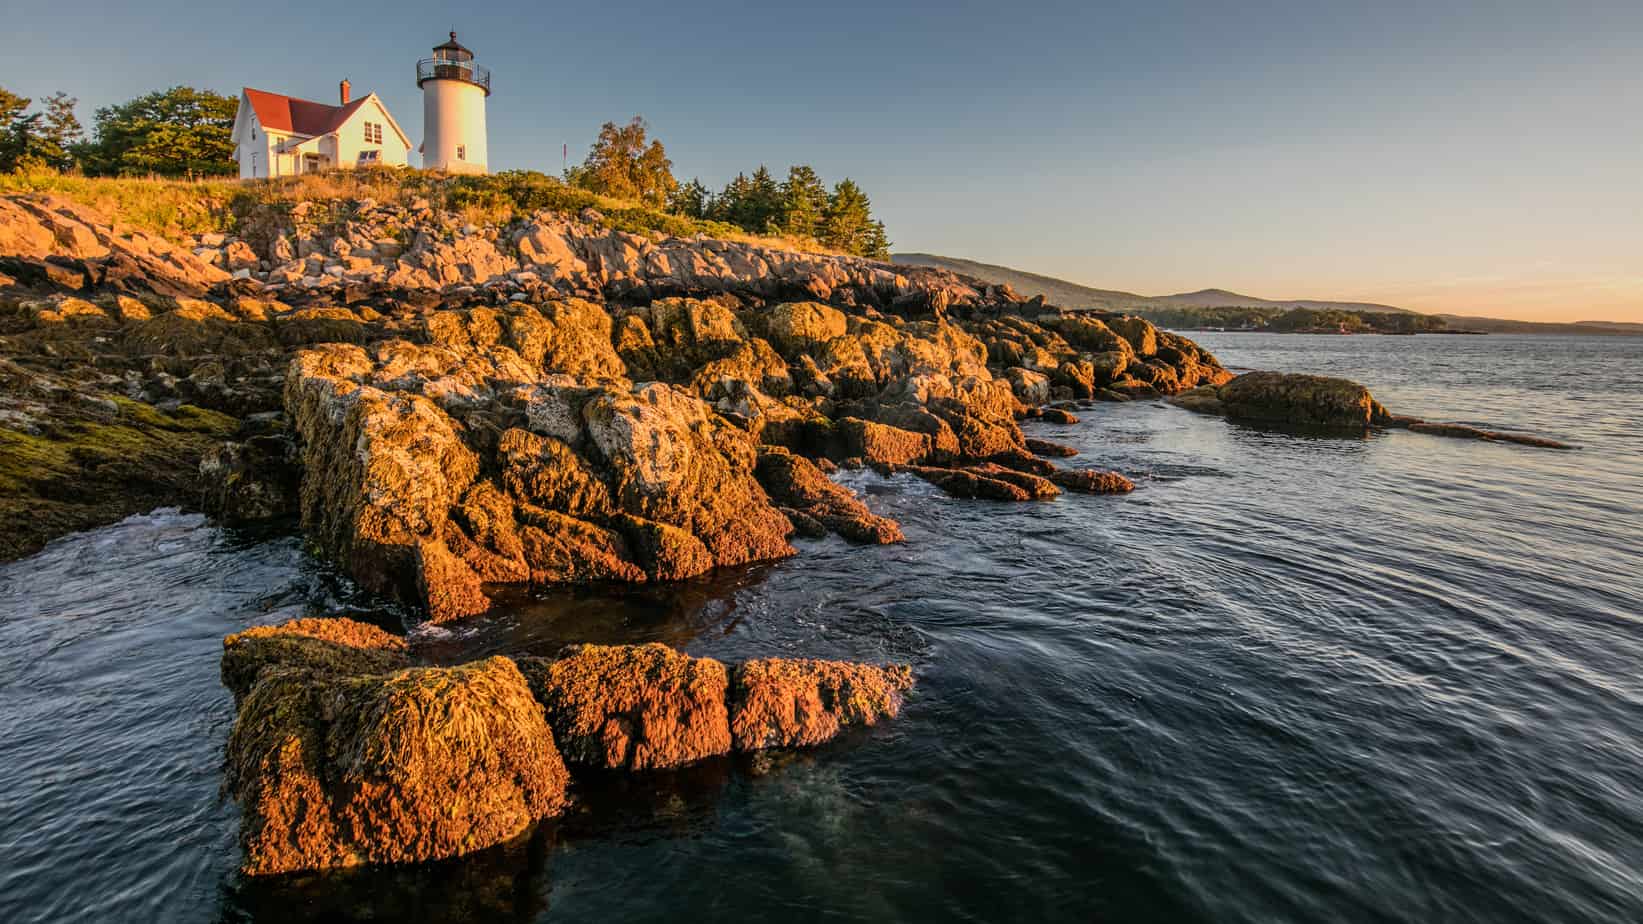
(1475, 157)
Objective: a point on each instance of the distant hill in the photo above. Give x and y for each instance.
(1504, 326)
(1221, 298)
(1072, 295)
(1055, 291)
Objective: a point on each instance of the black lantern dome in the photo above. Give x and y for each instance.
(451, 61)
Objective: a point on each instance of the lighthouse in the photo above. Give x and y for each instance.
(454, 89)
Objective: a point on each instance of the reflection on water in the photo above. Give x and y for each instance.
(1389, 679)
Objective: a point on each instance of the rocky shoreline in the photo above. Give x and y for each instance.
(452, 410)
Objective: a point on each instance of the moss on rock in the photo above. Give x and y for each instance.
(333, 647)
(414, 765)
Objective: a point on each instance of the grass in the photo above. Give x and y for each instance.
(176, 209)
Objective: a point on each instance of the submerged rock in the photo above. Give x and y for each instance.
(1468, 432)
(414, 765)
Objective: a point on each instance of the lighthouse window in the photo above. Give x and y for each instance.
(461, 152)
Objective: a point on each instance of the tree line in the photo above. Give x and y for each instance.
(186, 131)
(1293, 319)
(625, 162)
(183, 131)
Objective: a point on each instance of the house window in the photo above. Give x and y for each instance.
(368, 157)
(461, 152)
(373, 132)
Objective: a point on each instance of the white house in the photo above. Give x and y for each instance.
(277, 135)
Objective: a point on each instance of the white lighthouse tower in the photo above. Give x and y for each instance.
(453, 109)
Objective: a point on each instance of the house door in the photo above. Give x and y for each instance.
(311, 163)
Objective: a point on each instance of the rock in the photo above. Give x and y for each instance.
(792, 702)
(1036, 486)
(414, 765)
(632, 707)
(1092, 481)
(330, 646)
(1205, 399)
(257, 479)
(1293, 399)
(1465, 431)
(1047, 448)
(967, 484)
(1056, 415)
(881, 443)
(240, 256)
(803, 326)
(1031, 388)
(1139, 332)
(793, 482)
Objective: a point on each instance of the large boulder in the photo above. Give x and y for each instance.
(803, 326)
(632, 707)
(414, 765)
(588, 479)
(1293, 399)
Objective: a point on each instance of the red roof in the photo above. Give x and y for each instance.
(299, 116)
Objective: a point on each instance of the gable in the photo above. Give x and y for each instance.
(276, 112)
(371, 109)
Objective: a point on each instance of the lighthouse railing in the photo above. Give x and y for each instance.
(447, 69)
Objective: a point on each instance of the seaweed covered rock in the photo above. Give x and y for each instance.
(429, 474)
(799, 486)
(782, 702)
(329, 646)
(414, 765)
(75, 457)
(1292, 399)
(632, 707)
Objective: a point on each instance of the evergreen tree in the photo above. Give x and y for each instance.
(803, 203)
(58, 132)
(14, 129)
(876, 245)
(846, 226)
(729, 205)
(691, 200)
(763, 202)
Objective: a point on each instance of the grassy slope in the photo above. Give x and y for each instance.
(177, 208)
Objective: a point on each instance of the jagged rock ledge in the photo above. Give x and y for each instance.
(345, 753)
(511, 433)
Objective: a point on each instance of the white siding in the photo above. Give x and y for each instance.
(349, 140)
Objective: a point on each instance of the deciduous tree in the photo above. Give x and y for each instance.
(176, 132)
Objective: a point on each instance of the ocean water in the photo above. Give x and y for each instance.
(1288, 679)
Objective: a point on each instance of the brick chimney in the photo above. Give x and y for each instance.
(346, 86)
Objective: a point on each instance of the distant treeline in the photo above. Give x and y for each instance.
(1293, 319)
